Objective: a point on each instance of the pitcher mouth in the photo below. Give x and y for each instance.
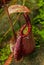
(25, 31)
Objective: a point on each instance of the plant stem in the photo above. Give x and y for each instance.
(24, 2)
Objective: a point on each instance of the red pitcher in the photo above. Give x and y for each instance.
(23, 44)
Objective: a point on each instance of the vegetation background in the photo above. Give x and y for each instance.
(37, 20)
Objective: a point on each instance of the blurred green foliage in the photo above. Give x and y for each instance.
(4, 53)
